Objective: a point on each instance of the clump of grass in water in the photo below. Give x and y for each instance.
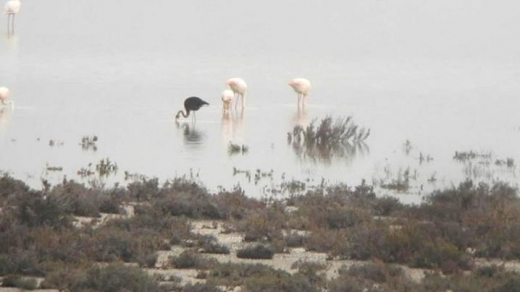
(484, 165)
(263, 174)
(89, 143)
(470, 155)
(399, 184)
(247, 173)
(53, 143)
(237, 149)
(332, 138)
(86, 171)
(53, 168)
(407, 147)
(509, 162)
(105, 167)
(134, 176)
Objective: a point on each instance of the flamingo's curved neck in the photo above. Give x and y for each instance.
(183, 114)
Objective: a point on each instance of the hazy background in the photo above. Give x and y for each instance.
(441, 74)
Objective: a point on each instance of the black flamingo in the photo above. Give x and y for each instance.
(191, 104)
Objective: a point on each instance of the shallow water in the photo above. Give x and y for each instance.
(443, 75)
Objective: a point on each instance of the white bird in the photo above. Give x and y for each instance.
(4, 95)
(227, 97)
(239, 87)
(11, 8)
(302, 86)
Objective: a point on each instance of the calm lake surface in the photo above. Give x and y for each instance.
(444, 76)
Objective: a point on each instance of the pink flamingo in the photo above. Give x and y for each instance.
(11, 8)
(226, 96)
(302, 86)
(239, 88)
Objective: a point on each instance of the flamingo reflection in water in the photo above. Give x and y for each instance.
(301, 118)
(191, 135)
(5, 117)
(232, 129)
(4, 97)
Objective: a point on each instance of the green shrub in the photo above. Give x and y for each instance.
(294, 239)
(341, 217)
(312, 273)
(199, 287)
(190, 205)
(386, 206)
(229, 274)
(510, 285)
(10, 187)
(236, 204)
(112, 245)
(144, 190)
(258, 251)
(190, 260)
(209, 244)
(23, 262)
(116, 278)
(32, 210)
(76, 199)
(264, 225)
(148, 260)
(379, 273)
(25, 283)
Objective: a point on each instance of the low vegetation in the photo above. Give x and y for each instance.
(258, 251)
(41, 237)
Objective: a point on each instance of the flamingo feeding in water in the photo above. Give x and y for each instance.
(191, 104)
(11, 8)
(227, 97)
(4, 95)
(302, 86)
(239, 88)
